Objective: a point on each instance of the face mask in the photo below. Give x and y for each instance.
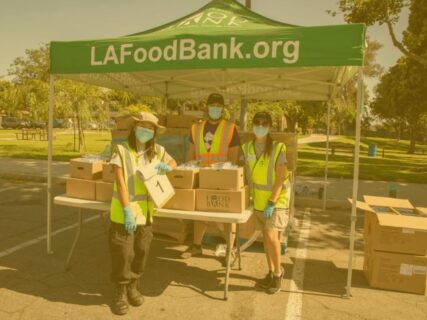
(143, 134)
(260, 131)
(215, 112)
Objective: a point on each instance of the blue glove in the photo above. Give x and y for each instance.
(268, 210)
(162, 168)
(130, 221)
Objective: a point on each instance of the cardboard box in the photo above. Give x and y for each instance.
(79, 188)
(393, 225)
(83, 169)
(221, 179)
(123, 122)
(180, 121)
(177, 229)
(222, 200)
(108, 174)
(120, 134)
(104, 191)
(394, 271)
(184, 179)
(184, 199)
(158, 186)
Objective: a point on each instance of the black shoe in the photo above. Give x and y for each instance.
(275, 285)
(134, 296)
(120, 305)
(266, 281)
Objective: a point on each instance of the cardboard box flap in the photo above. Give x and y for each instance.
(422, 211)
(361, 205)
(416, 223)
(387, 202)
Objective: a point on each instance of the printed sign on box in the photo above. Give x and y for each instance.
(158, 186)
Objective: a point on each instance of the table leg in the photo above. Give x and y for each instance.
(228, 231)
(104, 221)
(238, 246)
(76, 238)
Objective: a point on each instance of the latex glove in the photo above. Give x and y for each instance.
(268, 210)
(162, 168)
(130, 221)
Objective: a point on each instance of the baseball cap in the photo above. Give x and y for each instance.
(215, 98)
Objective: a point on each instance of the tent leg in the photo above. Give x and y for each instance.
(360, 105)
(243, 113)
(49, 165)
(325, 186)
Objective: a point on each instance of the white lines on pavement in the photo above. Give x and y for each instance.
(294, 306)
(41, 238)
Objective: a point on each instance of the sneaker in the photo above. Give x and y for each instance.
(192, 251)
(275, 285)
(220, 250)
(266, 281)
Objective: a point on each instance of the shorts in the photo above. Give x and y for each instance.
(278, 221)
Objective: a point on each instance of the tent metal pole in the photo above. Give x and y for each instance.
(165, 98)
(360, 105)
(243, 113)
(49, 165)
(328, 128)
(248, 4)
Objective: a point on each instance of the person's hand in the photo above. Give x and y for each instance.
(130, 220)
(162, 168)
(268, 210)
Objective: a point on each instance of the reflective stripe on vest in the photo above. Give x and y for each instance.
(134, 185)
(262, 176)
(220, 143)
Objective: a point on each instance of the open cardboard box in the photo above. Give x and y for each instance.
(394, 225)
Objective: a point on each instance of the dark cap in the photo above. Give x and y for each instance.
(215, 98)
(263, 115)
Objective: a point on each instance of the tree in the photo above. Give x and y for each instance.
(370, 12)
(402, 96)
(33, 66)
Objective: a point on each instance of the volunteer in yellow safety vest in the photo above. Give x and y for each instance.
(211, 141)
(132, 209)
(265, 165)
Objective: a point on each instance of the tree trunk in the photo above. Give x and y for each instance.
(291, 124)
(413, 137)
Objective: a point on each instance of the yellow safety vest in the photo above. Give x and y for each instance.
(261, 175)
(219, 147)
(134, 185)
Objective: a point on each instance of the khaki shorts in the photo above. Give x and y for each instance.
(278, 221)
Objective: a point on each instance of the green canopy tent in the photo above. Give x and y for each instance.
(222, 47)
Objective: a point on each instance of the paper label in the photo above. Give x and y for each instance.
(419, 270)
(406, 269)
(408, 230)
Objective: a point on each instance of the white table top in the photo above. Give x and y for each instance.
(224, 217)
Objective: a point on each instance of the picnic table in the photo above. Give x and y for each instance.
(33, 134)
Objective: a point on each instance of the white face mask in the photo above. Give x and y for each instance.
(260, 131)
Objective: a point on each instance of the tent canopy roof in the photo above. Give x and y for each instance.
(221, 47)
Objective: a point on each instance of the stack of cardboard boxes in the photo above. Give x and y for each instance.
(184, 181)
(222, 190)
(85, 179)
(395, 236)
(181, 121)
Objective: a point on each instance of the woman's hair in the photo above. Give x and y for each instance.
(150, 146)
(263, 115)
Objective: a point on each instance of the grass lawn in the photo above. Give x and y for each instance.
(63, 145)
(396, 165)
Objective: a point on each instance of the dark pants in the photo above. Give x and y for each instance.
(129, 252)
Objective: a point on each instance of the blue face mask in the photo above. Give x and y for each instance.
(260, 131)
(215, 112)
(143, 134)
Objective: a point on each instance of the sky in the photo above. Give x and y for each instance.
(26, 24)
